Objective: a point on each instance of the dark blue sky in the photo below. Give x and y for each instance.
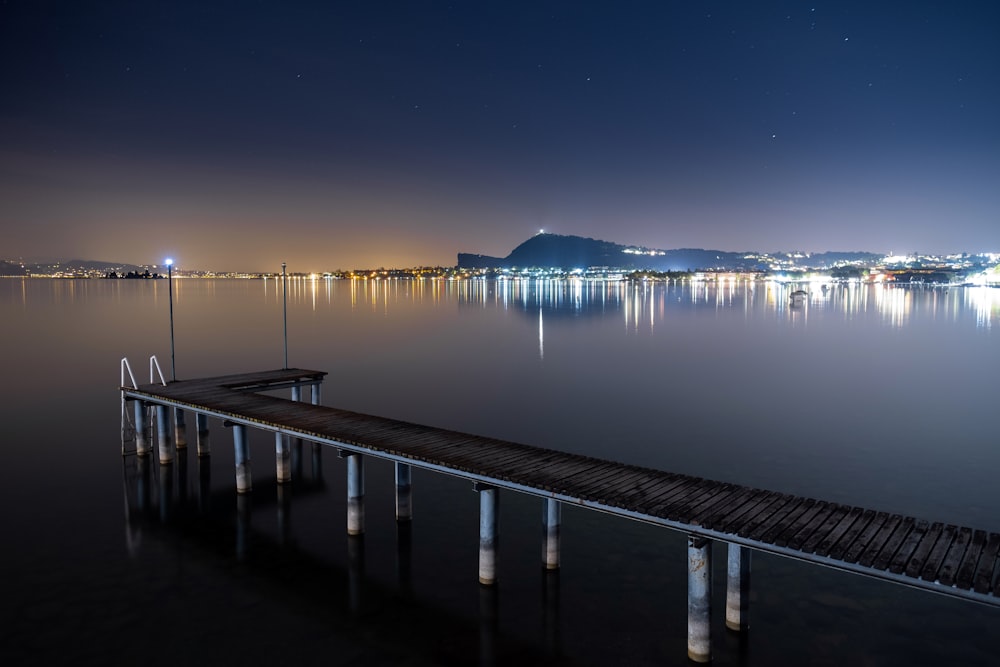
(236, 135)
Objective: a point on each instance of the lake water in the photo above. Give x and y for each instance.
(866, 395)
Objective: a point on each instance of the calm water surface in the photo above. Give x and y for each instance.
(874, 396)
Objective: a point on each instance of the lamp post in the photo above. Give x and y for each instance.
(284, 309)
(170, 292)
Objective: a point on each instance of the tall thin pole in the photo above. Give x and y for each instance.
(284, 309)
(170, 292)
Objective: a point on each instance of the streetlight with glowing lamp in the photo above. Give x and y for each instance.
(284, 309)
(170, 292)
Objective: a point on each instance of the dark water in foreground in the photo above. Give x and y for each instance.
(871, 396)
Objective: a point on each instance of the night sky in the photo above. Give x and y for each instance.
(237, 135)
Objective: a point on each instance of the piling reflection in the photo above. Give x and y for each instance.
(296, 458)
(243, 525)
(355, 572)
(204, 497)
(550, 612)
(157, 510)
(166, 471)
(489, 621)
(404, 557)
(317, 461)
(284, 513)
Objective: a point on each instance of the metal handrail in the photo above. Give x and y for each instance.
(127, 367)
(128, 428)
(154, 363)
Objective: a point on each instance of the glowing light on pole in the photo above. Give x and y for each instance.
(170, 292)
(284, 309)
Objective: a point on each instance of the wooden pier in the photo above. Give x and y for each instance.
(952, 560)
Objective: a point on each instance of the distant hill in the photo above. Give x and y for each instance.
(9, 269)
(569, 252)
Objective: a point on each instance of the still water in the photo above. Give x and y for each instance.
(866, 395)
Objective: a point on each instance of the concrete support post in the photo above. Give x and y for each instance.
(355, 494)
(699, 598)
(241, 445)
(404, 493)
(204, 445)
(142, 445)
(296, 393)
(737, 588)
(282, 458)
(163, 434)
(315, 393)
(551, 520)
(488, 538)
(180, 429)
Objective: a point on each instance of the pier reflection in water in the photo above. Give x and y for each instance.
(159, 509)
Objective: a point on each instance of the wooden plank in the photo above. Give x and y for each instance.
(819, 528)
(594, 477)
(949, 568)
(853, 553)
(823, 546)
(814, 525)
(500, 460)
(983, 580)
(893, 544)
(562, 476)
(711, 495)
(967, 569)
(744, 523)
(612, 494)
(738, 516)
(728, 493)
(906, 548)
(668, 504)
(713, 515)
(776, 522)
(803, 524)
(659, 494)
(937, 554)
(919, 557)
(546, 477)
(646, 492)
(626, 480)
(879, 539)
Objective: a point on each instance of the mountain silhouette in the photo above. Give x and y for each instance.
(577, 252)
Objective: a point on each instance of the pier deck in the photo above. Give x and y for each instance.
(953, 560)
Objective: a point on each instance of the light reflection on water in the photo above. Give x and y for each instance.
(872, 395)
